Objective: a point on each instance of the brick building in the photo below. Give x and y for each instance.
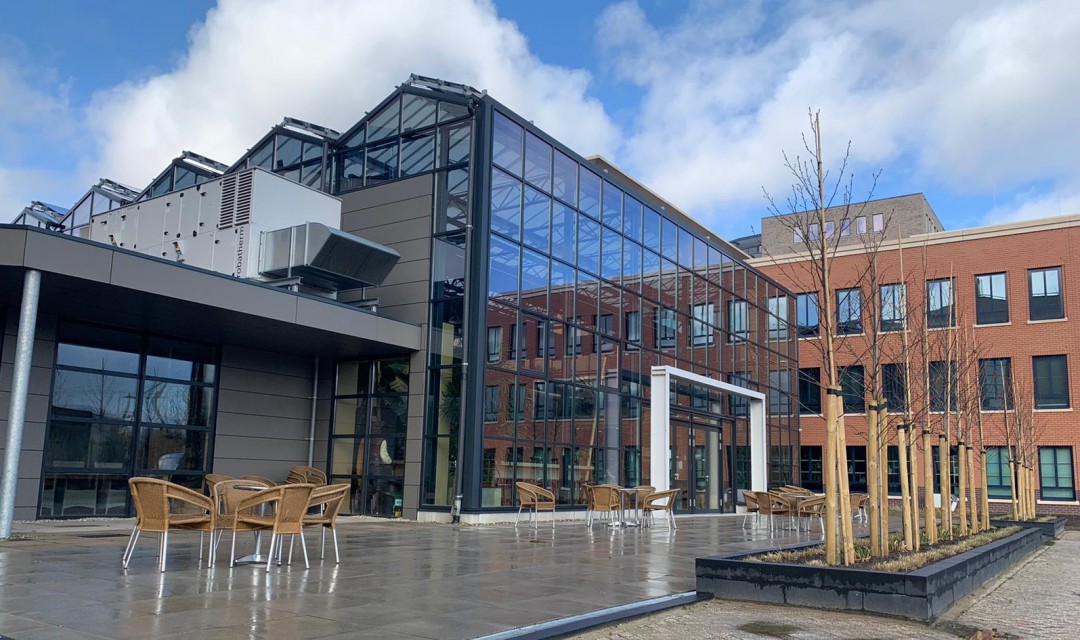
(1012, 287)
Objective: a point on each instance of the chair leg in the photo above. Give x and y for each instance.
(270, 556)
(232, 554)
(130, 546)
(337, 558)
(164, 549)
(303, 547)
(200, 549)
(671, 514)
(292, 539)
(518, 516)
(322, 545)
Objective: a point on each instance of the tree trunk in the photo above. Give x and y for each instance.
(1014, 478)
(973, 483)
(961, 451)
(944, 479)
(829, 477)
(873, 479)
(847, 536)
(913, 487)
(883, 482)
(928, 490)
(905, 491)
(985, 491)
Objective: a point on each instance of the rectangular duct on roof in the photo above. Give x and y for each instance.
(326, 258)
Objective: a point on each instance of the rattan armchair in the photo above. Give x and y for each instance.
(771, 504)
(290, 504)
(811, 508)
(329, 500)
(226, 496)
(858, 505)
(536, 499)
(663, 501)
(268, 482)
(752, 506)
(603, 499)
(154, 500)
(301, 474)
(211, 479)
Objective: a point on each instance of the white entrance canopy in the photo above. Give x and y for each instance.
(660, 425)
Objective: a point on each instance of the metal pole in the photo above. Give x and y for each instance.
(314, 406)
(20, 384)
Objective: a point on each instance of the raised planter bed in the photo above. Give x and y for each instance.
(923, 594)
(1050, 529)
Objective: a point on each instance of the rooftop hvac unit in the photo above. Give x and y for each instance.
(325, 258)
(218, 224)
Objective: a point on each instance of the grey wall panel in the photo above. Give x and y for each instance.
(261, 381)
(253, 426)
(60, 255)
(412, 473)
(412, 271)
(26, 496)
(334, 318)
(12, 247)
(413, 313)
(388, 193)
(264, 404)
(263, 360)
(381, 223)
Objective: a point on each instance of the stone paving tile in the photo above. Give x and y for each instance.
(1040, 599)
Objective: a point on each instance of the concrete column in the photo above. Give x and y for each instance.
(20, 385)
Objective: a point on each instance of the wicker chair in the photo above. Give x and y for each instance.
(752, 506)
(790, 488)
(226, 497)
(536, 499)
(300, 474)
(329, 500)
(811, 508)
(771, 504)
(859, 501)
(661, 501)
(603, 498)
(268, 482)
(290, 502)
(211, 479)
(153, 500)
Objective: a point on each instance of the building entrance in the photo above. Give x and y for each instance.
(702, 465)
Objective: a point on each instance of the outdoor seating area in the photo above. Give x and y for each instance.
(796, 505)
(250, 504)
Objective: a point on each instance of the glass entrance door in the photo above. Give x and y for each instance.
(701, 466)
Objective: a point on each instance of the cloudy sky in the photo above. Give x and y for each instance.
(972, 103)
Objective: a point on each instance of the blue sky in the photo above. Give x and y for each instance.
(972, 103)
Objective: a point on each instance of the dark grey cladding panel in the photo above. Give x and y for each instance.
(12, 247)
(264, 404)
(314, 313)
(382, 224)
(58, 254)
(138, 273)
(388, 193)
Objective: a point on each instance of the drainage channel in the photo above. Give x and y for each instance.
(573, 624)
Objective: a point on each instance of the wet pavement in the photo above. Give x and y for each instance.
(396, 580)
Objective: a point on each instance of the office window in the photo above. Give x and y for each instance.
(830, 228)
(848, 311)
(892, 470)
(893, 307)
(739, 405)
(998, 478)
(856, 465)
(810, 465)
(573, 340)
(940, 310)
(494, 344)
(700, 330)
(797, 236)
(991, 299)
(491, 403)
(845, 227)
(995, 384)
(1045, 296)
(810, 391)
(1051, 382)
(954, 468)
(516, 401)
(738, 320)
(778, 318)
(545, 339)
(806, 312)
(860, 225)
(853, 388)
(814, 232)
(666, 324)
(942, 378)
(779, 394)
(879, 223)
(632, 321)
(605, 324)
(1056, 473)
(893, 386)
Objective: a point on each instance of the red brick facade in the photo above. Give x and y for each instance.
(1010, 249)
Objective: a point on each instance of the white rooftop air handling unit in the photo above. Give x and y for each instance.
(216, 225)
(315, 255)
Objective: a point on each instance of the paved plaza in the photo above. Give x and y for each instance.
(396, 580)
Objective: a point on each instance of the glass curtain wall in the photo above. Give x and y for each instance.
(123, 405)
(588, 288)
(367, 444)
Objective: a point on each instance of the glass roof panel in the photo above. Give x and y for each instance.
(288, 151)
(451, 111)
(385, 123)
(263, 156)
(417, 112)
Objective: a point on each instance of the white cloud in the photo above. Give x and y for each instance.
(975, 95)
(251, 63)
(1030, 204)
